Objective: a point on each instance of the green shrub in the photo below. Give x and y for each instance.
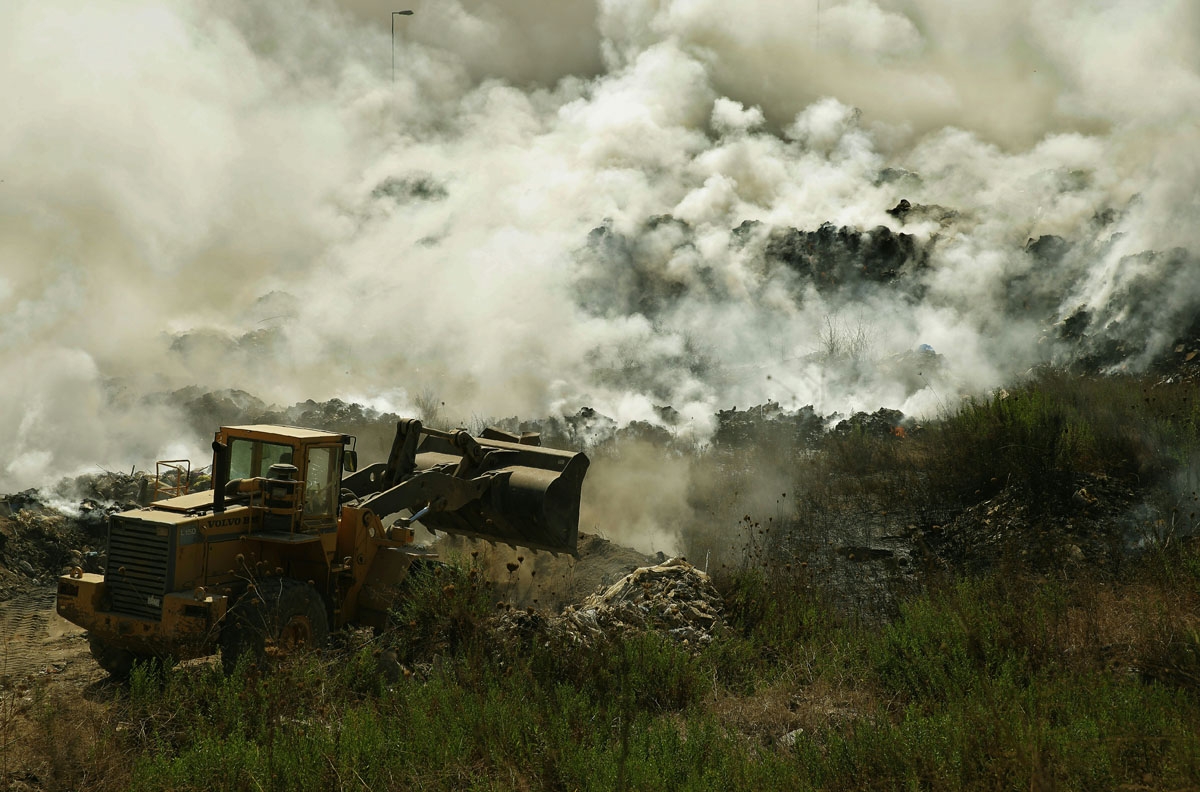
(441, 611)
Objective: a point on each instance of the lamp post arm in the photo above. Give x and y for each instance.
(394, 15)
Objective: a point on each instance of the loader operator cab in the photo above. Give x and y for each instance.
(297, 472)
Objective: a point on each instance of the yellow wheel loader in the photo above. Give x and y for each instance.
(294, 540)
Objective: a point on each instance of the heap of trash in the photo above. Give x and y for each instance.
(673, 598)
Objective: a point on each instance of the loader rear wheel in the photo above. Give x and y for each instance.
(116, 661)
(276, 618)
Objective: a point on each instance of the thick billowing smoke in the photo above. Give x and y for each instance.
(557, 205)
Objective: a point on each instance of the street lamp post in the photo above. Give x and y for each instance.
(394, 15)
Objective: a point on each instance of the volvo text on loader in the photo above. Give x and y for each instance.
(292, 541)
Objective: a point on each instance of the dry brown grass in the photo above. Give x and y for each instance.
(784, 706)
(60, 740)
(1146, 627)
(762, 715)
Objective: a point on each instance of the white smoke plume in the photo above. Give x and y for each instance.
(538, 213)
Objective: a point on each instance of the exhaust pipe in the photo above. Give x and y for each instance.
(220, 475)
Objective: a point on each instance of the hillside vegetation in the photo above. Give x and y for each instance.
(1034, 623)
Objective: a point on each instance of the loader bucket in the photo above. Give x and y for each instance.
(533, 502)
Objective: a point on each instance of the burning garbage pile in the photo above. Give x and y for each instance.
(46, 533)
(38, 542)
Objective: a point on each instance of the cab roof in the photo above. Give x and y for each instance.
(291, 432)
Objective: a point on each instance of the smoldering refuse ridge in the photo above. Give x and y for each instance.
(242, 197)
(627, 277)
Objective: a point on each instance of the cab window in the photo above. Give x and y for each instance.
(253, 458)
(320, 490)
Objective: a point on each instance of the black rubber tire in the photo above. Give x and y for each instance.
(276, 617)
(116, 661)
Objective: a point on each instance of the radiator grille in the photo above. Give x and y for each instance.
(136, 573)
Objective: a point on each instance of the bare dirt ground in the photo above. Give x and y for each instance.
(36, 641)
(44, 660)
(43, 657)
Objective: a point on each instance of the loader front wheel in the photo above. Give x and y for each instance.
(274, 619)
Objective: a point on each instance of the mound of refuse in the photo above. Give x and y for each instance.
(673, 598)
(38, 542)
(1096, 522)
(44, 533)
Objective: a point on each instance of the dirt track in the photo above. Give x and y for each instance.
(36, 641)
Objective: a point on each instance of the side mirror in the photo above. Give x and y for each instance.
(349, 460)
